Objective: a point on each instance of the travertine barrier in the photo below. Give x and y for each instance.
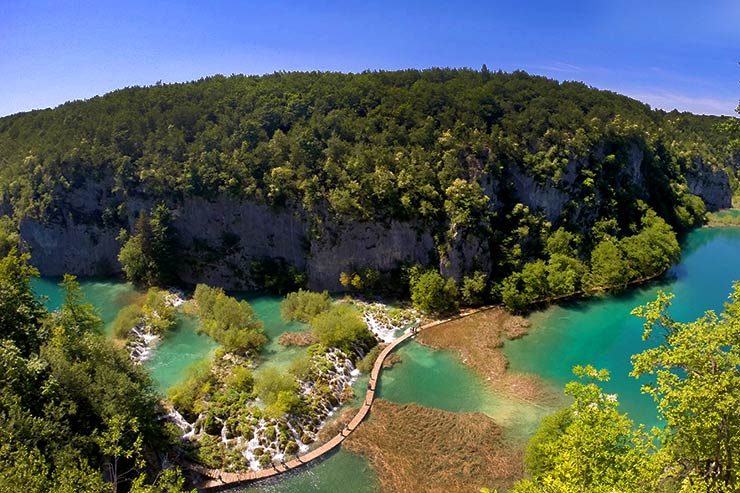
(216, 479)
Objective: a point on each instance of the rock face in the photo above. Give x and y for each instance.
(345, 247)
(222, 239)
(712, 185)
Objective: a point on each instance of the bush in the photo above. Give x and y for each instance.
(473, 289)
(185, 396)
(304, 305)
(278, 391)
(230, 322)
(128, 317)
(342, 327)
(150, 310)
(432, 294)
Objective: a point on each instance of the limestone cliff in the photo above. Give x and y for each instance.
(220, 239)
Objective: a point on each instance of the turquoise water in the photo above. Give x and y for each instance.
(107, 296)
(181, 348)
(438, 379)
(603, 333)
(341, 471)
(598, 331)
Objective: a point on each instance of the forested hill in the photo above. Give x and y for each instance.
(322, 173)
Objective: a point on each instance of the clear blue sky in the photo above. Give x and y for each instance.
(670, 54)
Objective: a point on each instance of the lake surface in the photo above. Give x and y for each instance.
(603, 333)
(598, 331)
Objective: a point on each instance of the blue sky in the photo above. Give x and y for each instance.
(670, 54)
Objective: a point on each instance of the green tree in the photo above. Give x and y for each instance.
(590, 447)
(433, 294)
(608, 267)
(527, 287)
(473, 289)
(696, 371)
(564, 274)
(278, 391)
(147, 255)
(342, 327)
(21, 314)
(465, 204)
(230, 322)
(304, 305)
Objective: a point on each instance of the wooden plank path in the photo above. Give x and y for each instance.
(217, 479)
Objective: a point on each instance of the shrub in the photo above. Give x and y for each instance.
(304, 305)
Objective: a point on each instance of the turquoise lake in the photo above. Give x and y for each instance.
(598, 331)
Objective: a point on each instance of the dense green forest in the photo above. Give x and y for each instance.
(420, 146)
(76, 414)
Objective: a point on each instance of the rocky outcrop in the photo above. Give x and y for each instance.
(711, 184)
(347, 246)
(66, 246)
(221, 239)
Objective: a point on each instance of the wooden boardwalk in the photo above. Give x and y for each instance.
(216, 479)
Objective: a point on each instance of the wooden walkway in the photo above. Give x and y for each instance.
(216, 479)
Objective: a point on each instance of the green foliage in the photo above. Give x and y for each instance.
(431, 293)
(304, 305)
(342, 327)
(186, 394)
(73, 406)
(526, 287)
(696, 374)
(230, 322)
(473, 289)
(151, 310)
(608, 267)
(278, 391)
(590, 446)
(146, 256)
(241, 379)
(564, 275)
(466, 204)
(653, 250)
(21, 314)
(9, 237)
(128, 317)
(368, 361)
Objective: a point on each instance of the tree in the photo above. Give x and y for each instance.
(76, 316)
(653, 250)
(608, 268)
(230, 322)
(589, 447)
(564, 274)
(527, 287)
(696, 372)
(431, 293)
(304, 305)
(146, 256)
(278, 391)
(342, 327)
(21, 314)
(466, 204)
(473, 289)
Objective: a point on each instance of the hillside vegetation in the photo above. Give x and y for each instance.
(480, 161)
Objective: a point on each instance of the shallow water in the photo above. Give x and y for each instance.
(438, 379)
(598, 331)
(603, 333)
(180, 349)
